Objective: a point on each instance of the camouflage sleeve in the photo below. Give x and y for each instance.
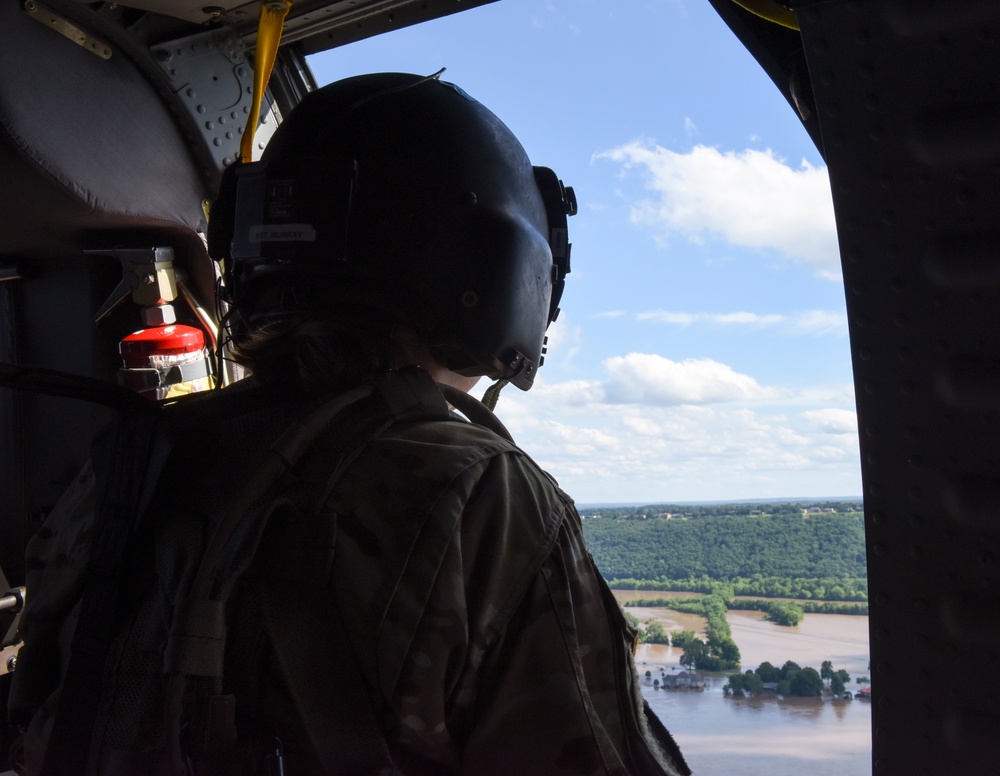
(517, 664)
(562, 693)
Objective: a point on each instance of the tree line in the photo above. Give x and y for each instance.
(817, 588)
(782, 612)
(790, 679)
(685, 511)
(728, 547)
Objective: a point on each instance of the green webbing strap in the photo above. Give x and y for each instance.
(492, 395)
(474, 410)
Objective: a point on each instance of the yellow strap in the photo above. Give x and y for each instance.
(272, 18)
(770, 10)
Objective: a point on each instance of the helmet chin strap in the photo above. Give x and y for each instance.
(492, 395)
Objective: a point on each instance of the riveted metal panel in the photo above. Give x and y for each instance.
(908, 97)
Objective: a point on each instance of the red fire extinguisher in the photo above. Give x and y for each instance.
(165, 359)
(163, 362)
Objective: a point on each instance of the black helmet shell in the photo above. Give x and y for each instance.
(402, 193)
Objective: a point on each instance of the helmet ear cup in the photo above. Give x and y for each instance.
(404, 195)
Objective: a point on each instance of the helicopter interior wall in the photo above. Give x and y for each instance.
(91, 158)
(46, 440)
(48, 321)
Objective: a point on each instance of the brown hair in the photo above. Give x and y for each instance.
(319, 353)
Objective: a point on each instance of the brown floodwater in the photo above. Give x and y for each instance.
(763, 736)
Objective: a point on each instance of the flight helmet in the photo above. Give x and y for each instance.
(400, 193)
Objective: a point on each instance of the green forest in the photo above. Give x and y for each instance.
(748, 543)
(819, 588)
(814, 553)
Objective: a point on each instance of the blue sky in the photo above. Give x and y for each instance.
(702, 349)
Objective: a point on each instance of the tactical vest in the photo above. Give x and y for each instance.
(169, 681)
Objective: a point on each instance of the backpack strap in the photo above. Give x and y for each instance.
(345, 735)
(334, 704)
(317, 664)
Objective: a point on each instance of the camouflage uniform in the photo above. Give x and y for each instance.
(482, 629)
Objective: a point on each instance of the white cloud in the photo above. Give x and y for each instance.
(689, 127)
(568, 393)
(667, 316)
(643, 378)
(723, 319)
(609, 314)
(832, 420)
(660, 430)
(820, 322)
(744, 318)
(564, 339)
(751, 199)
(809, 322)
(625, 452)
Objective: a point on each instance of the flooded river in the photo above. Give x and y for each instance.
(764, 736)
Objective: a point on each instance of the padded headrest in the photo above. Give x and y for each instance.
(89, 152)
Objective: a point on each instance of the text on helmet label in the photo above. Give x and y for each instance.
(283, 233)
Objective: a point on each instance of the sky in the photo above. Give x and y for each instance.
(702, 350)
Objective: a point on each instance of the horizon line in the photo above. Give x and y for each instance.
(784, 500)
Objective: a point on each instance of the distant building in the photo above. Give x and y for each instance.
(684, 680)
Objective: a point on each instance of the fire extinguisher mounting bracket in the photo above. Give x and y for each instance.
(147, 276)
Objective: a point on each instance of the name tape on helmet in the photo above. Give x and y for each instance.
(283, 233)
